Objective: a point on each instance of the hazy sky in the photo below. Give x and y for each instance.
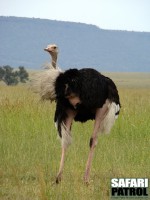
(107, 14)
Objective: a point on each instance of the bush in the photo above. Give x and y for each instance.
(11, 77)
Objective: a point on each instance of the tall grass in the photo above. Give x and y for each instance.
(30, 151)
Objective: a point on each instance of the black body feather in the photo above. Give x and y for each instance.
(92, 88)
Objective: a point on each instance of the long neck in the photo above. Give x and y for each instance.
(54, 60)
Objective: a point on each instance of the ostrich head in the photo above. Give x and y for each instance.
(52, 49)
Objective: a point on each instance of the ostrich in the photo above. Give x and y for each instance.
(52, 49)
(80, 95)
(42, 82)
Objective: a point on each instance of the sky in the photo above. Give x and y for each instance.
(131, 15)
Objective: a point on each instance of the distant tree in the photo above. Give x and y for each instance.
(2, 72)
(11, 77)
(22, 74)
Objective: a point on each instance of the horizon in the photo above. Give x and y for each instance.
(113, 50)
(75, 22)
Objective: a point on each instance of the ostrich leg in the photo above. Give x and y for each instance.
(100, 115)
(59, 175)
(68, 122)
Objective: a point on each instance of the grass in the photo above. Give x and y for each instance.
(30, 151)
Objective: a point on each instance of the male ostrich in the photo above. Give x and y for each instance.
(80, 95)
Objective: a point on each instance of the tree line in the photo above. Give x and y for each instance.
(11, 76)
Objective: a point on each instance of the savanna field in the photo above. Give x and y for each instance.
(30, 149)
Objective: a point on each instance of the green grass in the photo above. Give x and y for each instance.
(30, 151)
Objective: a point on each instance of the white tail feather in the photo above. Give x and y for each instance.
(110, 118)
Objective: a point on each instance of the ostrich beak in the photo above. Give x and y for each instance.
(46, 49)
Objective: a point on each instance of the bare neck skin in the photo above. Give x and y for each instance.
(54, 59)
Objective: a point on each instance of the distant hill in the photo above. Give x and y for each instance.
(81, 45)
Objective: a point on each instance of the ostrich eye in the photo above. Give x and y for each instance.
(54, 47)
